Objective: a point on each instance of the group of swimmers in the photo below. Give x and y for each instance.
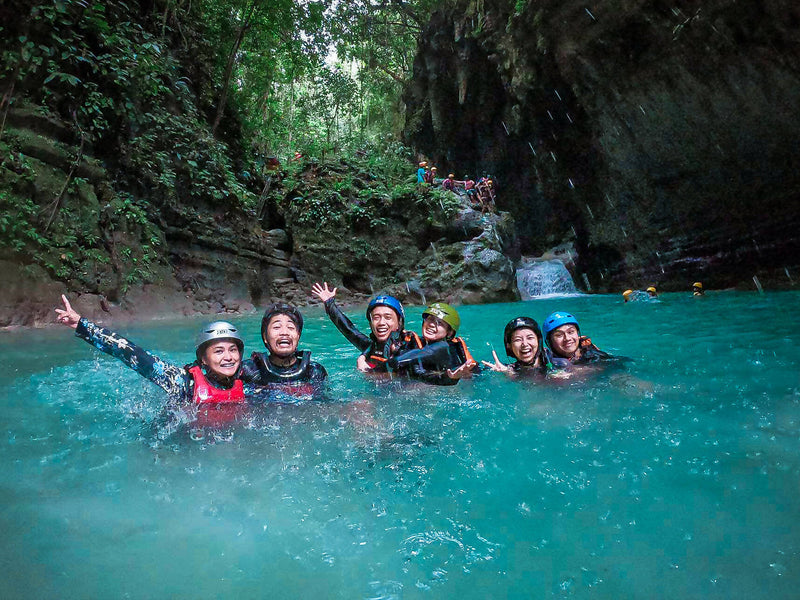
(652, 292)
(481, 193)
(220, 377)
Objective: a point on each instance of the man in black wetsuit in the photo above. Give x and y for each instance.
(283, 367)
(386, 320)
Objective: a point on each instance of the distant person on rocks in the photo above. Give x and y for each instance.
(284, 368)
(697, 289)
(485, 194)
(387, 334)
(431, 176)
(523, 341)
(450, 183)
(562, 334)
(421, 172)
(444, 359)
(469, 186)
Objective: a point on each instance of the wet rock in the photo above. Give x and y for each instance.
(661, 141)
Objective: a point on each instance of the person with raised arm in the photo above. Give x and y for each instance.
(214, 377)
(387, 336)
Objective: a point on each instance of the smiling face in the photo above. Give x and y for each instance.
(282, 336)
(524, 345)
(222, 358)
(383, 321)
(434, 329)
(565, 340)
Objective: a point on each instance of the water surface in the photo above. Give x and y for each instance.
(678, 478)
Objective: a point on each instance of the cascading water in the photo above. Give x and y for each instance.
(544, 278)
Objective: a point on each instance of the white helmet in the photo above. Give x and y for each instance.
(218, 330)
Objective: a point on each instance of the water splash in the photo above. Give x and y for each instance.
(544, 278)
(758, 285)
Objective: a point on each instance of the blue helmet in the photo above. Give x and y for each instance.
(392, 303)
(556, 320)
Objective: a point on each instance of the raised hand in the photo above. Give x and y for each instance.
(464, 370)
(497, 365)
(323, 292)
(67, 316)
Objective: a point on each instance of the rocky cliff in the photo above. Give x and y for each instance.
(112, 187)
(661, 138)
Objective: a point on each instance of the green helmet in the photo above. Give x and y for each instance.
(445, 312)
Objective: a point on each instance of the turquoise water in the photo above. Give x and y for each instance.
(679, 478)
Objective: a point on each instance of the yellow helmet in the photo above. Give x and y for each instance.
(423, 163)
(627, 293)
(434, 169)
(651, 289)
(698, 284)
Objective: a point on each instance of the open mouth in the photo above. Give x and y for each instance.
(526, 353)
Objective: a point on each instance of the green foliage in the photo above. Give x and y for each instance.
(366, 191)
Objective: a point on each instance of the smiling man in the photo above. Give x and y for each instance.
(562, 334)
(281, 327)
(386, 322)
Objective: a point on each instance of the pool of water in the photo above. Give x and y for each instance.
(678, 478)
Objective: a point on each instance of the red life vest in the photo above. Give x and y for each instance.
(205, 393)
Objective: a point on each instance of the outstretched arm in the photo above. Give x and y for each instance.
(335, 314)
(172, 379)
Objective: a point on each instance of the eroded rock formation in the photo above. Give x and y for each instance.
(661, 138)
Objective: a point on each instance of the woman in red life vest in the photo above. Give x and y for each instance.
(213, 379)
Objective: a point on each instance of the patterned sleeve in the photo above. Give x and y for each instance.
(173, 380)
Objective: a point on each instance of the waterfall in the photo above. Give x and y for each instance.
(544, 278)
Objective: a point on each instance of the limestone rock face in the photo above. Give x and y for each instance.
(193, 258)
(661, 139)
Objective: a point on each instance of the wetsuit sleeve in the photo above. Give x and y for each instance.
(173, 380)
(428, 364)
(318, 373)
(346, 327)
(250, 373)
(419, 373)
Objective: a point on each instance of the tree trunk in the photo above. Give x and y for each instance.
(226, 79)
